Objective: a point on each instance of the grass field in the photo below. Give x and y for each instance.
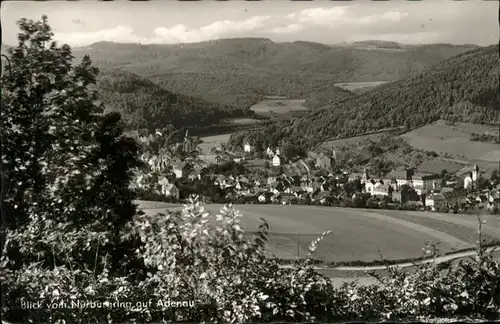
(360, 234)
(208, 142)
(359, 87)
(243, 121)
(455, 141)
(278, 106)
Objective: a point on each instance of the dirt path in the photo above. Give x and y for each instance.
(440, 259)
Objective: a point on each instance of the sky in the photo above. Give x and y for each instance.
(81, 23)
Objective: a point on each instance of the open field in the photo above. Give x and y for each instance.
(243, 121)
(360, 234)
(359, 87)
(210, 142)
(454, 140)
(278, 106)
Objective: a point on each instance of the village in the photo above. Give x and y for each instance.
(176, 173)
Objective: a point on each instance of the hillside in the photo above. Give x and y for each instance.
(144, 104)
(463, 88)
(256, 55)
(237, 72)
(243, 90)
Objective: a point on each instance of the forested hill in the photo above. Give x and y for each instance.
(144, 104)
(243, 91)
(239, 72)
(462, 88)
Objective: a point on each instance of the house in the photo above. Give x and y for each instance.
(405, 194)
(355, 176)
(401, 176)
(323, 162)
(244, 180)
(446, 189)
(247, 148)
(380, 189)
(468, 181)
(323, 197)
(364, 177)
(170, 190)
(181, 169)
(425, 181)
(238, 159)
(494, 196)
(269, 152)
(271, 180)
(420, 181)
(262, 198)
(481, 199)
(276, 161)
(434, 200)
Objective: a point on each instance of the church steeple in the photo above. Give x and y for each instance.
(366, 176)
(186, 145)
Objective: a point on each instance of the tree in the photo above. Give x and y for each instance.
(66, 166)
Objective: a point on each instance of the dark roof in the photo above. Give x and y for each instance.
(180, 165)
(396, 174)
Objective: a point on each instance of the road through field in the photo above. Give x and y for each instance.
(298, 220)
(360, 235)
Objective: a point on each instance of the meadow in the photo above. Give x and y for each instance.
(357, 235)
(209, 142)
(359, 87)
(454, 140)
(268, 107)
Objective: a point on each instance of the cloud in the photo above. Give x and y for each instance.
(291, 28)
(163, 35)
(388, 17)
(118, 34)
(320, 15)
(344, 16)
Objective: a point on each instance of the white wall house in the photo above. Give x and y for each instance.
(269, 152)
(468, 181)
(247, 148)
(276, 161)
(380, 189)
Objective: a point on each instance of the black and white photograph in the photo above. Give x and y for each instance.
(250, 161)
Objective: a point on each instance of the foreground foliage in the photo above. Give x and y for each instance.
(223, 277)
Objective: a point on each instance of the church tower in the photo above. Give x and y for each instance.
(186, 145)
(366, 176)
(475, 172)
